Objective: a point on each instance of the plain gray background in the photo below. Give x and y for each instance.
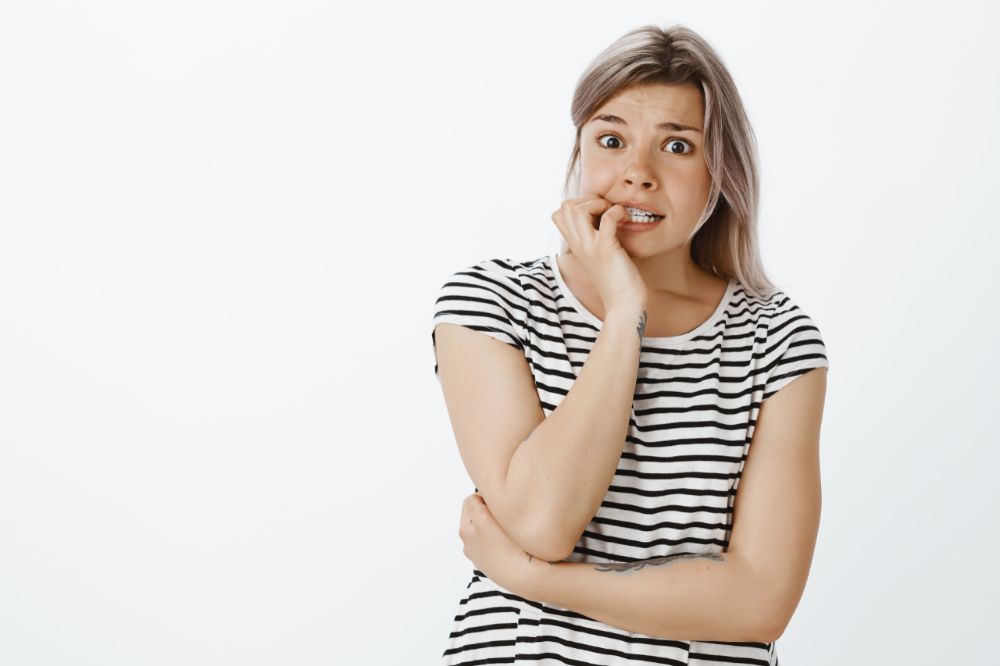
(223, 226)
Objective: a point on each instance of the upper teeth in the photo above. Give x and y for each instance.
(638, 211)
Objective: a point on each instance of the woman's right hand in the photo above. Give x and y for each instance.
(606, 262)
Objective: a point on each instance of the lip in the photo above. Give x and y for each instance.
(639, 204)
(640, 227)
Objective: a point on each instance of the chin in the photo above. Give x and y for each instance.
(645, 250)
(642, 250)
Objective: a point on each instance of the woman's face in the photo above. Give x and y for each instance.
(629, 152)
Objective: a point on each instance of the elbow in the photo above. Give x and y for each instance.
(550, 544)
(533, 539)
(765, 633)
(550, 548)
(548, 553)
(562, 551)
(770, 605)
(773, 630)
(543, 533)
(757, 629)
(768, 627)
(533, 531)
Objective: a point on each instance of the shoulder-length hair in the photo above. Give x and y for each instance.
(724, 241)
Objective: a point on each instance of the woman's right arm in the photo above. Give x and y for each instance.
(562, 470)
(543, 478)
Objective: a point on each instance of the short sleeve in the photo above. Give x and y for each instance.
(486, 297)
(794, 346)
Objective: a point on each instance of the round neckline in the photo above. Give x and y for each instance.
(706, 325)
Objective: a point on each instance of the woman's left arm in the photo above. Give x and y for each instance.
(745, 594)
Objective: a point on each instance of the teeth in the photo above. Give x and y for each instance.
(640, 216)
(639, 211)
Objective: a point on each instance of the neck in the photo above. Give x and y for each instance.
(673, 273)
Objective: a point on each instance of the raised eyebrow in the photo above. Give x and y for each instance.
(666, 125)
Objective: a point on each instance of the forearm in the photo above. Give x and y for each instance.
(707, 597)
(562, 470)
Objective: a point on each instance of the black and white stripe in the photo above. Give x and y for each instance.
(696, 403)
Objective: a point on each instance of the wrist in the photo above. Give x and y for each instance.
(633, 316)
(627, 311)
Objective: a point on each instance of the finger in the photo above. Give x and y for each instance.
(586, 215)
(562, 219)
(584, 198)
(592, 203)
(610, 220)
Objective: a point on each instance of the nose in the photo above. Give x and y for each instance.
(638, 172)
(645, 184)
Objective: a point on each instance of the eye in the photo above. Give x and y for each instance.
(671, 151)
(613, 136)
(674, 152)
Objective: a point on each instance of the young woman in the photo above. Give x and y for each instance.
(644, 493)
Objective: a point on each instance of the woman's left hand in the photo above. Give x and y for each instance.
(488, 546)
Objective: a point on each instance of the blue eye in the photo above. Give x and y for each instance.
(672, 152)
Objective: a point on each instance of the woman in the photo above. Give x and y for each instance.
(635, 501)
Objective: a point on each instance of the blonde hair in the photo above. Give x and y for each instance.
(724, 241)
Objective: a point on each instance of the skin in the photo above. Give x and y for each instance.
(666, 169)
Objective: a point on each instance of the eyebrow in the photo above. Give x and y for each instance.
(667, 125)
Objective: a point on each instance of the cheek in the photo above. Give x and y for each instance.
(688, 184)
(595, 174)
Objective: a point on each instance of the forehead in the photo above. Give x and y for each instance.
(650, 104)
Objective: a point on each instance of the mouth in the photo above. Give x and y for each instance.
(640, 211)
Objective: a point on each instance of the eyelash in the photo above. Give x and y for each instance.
(670, 140)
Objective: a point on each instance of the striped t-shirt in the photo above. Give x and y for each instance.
(696, 401)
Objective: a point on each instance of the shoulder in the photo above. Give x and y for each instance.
(494, 287)
(507, 278)
(775, 311)
(793, 342)
(510, 268)
(785, 315)
(488, 296)
(502, 269)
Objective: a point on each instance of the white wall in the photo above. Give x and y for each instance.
(222, 230)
